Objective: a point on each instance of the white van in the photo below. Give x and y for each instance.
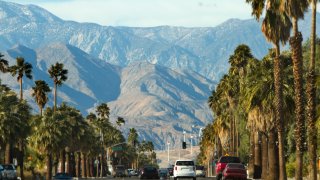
(184, 169)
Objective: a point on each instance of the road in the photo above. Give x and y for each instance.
(135, 178)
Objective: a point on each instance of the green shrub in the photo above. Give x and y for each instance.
(290, 168)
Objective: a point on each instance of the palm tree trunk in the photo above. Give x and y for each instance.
(257, 155)
(78, 167)
(8, 154)
(279, 111)
(21, 93)
(295, 43)
(49, 166)
(56, 163)
(62, 161)
(88, 166)
(83, 165)
(252, 155)
(21, 157)
(91, 167)
(264, 144)
(67, 169)
(311, 98)
(101, 165)
(55, 97)
(272, 166)
(40, 107)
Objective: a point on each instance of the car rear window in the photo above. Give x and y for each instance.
(184, 163)
(8, 167)
(229, 159)
(200, 168)
(234, 165)
(150, 169)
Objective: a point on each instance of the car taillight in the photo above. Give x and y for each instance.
(175, 168)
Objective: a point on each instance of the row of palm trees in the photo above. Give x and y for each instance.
(249, 91)
(61, 132)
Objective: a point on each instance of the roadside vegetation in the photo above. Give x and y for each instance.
(60, 138)
(266, 110)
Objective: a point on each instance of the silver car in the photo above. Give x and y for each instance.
(9, 172)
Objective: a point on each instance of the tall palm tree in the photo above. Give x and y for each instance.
(133, 137)
(59, 75)
(39, 93)
(296, 9)
(120, 121)
(103, 111)
(49, 135)
(276, 28)
(311, 97)
(21, 69)
(3, 64)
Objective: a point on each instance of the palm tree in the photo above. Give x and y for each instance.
(276, 28)
(311, 97)
(103, 111)
(59, 75)
(120, 121)
(14, 123)
(39, 93)
(3, 64)
(296, 9)
(21, 69)
(132, 137)
(49, 136)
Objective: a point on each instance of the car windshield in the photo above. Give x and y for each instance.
(119, 167)
(8, 167)
(199, 167)
(184, 163)
(236, 165)
(229, 159)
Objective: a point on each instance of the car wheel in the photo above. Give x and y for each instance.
(174, 178)
(194, 178)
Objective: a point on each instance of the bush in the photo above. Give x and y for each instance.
(290, 168)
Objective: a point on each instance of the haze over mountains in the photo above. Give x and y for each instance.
(157, 78)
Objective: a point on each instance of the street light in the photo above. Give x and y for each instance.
(168, 152)
(191, 142)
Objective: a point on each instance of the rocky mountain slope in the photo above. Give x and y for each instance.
(157, 78)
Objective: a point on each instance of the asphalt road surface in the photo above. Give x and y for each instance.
(136, 178)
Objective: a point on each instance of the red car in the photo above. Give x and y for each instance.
(234, 171)
(223, 161)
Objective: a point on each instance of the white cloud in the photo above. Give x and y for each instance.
(143, 13)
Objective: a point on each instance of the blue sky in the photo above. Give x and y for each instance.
(146, 13)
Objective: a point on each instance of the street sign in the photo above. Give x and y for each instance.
(117, 148)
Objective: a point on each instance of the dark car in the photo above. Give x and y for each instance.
(149, 172)
(164, 173)
(200, 171)
(119, 171)
(9, 171)
(170, 171)
(223, 161)
(234, 171)
(1, 172)
(62, 176)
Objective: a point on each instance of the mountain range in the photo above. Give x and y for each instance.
(157, 78)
